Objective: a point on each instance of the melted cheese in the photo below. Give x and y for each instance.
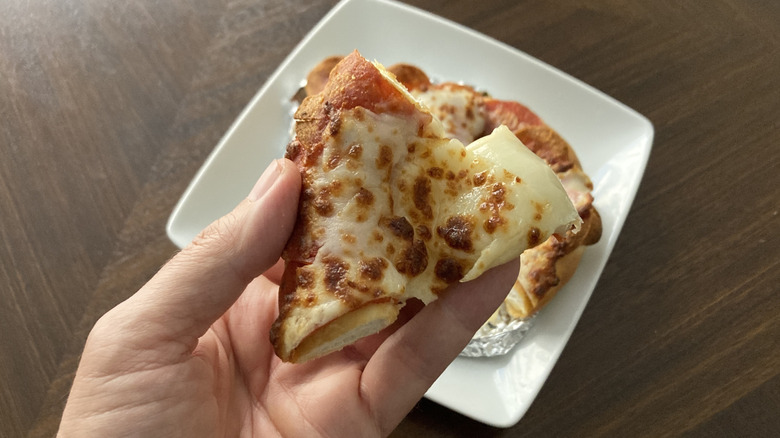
(542, 187)
(457, 107)
(383, 170)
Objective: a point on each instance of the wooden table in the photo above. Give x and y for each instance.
(109, 108)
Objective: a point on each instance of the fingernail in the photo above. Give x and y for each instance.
(266, 180)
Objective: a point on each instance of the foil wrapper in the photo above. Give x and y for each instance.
(498, 335)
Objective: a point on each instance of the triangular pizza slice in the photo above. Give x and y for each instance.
(393, 209)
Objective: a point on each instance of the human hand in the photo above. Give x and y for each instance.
(189, 354)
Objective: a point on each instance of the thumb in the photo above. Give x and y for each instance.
(201, 282)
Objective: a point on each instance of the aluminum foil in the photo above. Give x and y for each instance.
(498, 335)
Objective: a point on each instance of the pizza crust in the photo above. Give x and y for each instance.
(546, 269)
(522, 303)
(344, 330)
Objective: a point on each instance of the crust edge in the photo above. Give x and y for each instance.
(344, 330)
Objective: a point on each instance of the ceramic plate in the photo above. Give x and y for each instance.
(612, 141)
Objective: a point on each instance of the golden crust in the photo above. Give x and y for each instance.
(523, 303)
(363, 321)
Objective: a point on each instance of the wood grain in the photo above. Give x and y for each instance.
(109, 108)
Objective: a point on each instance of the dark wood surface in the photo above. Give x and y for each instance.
(107, 110)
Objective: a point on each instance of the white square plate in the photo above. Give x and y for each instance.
(612, 141)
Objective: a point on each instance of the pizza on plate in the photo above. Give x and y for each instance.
(393, 208)
(468, 114)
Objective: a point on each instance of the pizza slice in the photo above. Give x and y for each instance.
(391, 208)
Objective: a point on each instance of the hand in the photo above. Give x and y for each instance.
(189, 353)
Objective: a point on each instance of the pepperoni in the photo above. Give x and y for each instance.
(412, 77)
(512, 114)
